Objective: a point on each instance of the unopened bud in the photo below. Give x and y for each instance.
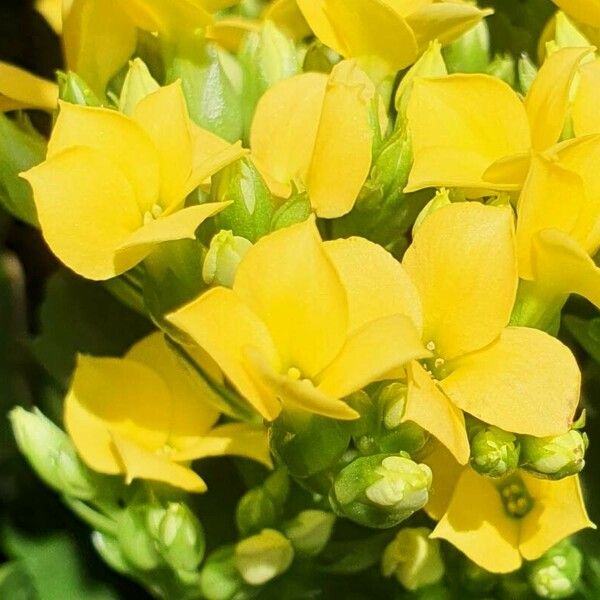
(138, 84)
(295, 209)
(181, 538)
(503, 67)
(51, 453)
(554, 457)
(381, 490)
(219, 579)
(320, 58)
(494, 452)
(310, 531)
(557, 573)
(110, 551)
(73, 89)
(441, 199)
(263, 556)
(470, 53)
(137, 536)
(413, 558)
(527, 72)
(223, 258)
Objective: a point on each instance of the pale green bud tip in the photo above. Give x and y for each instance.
(264, 556)
(503, 67)
(470, 53)
(393, 401)
(554, 457)
(494, 452)
(223, 258)
(73, 89)
(441, 199)
(567, 35)
(181, 538)
(413, 558)
(556, 574)
(310, 531)
(138, 84)
(51, 453)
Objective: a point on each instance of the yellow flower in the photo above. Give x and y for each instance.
(144, 416)
(463, 265)
(315, 131)
(307, 323)
(474, 131)
(112, 187)
(392, 33)
(497, 524)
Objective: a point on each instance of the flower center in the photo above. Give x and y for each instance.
(515, 497)
(152, 214)
(436, 365)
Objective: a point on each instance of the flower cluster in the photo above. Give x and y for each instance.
(351, 232)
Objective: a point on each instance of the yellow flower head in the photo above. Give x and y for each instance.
(112, 186)
(145, 416)
(463, 265)
(307, 322)
(315, 131)
(497, 524)
(392, 32)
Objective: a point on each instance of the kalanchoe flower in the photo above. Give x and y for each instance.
(110, 189)
(145, 416)
(301, 313)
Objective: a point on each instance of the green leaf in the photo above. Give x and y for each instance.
(80, 316)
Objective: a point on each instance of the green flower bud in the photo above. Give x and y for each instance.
(223, 258)
(503, 67)
(554, 457)
(294, 210)
(526, 72)
(263, 556)
(73, 89)
(137, 85)
(266, 57)
(494, 452)
(110, 551)
(557, 573)
(441, 199)
(381, 490)
(252, 208)
(310, 531)
(219, 579)
(181, 538)
(470, 53)
(51, 453)
(137, 536)
(320, 58)
(413, 558)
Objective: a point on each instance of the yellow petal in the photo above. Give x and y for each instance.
(356, 28)
(341, 157)
(444, 21)
(163, 115)
(376, 283)
(86, 208)
(548, 98)
(193, 414)
(287, 15)
(446, 472)
(560, 264)
(177, 226)
(478, 526)
(230, 32)
(224, 326)
(429, 407)
(558, 511)
(299, 296)
(526, 382)
(51, 10)
(459, 126)
(285, 126)
(371, 352)
(98, 38)
(584, 112)
(115, 136)
(233, 439)
(20, 89)
(110, 395)
(141, 464)
(463, 263)
(509, 172)
(586, 11)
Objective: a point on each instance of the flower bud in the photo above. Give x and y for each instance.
(554, 457)
(251, 211)
(503, 67)
(73, 89)
(310, 531)
(181, 538)
(219, 579)
(557, 573)
(441, 199)
(137, 535)
(137, 85)
(110, 551)
(223, 258)
(381, 490)
(263, 556)
(494, 452)
(470, 53)
(295, 209)
(527, 72)
(413, 558)
(51, 453)
(320, 58)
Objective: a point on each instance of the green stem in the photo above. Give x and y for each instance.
(92, 517)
